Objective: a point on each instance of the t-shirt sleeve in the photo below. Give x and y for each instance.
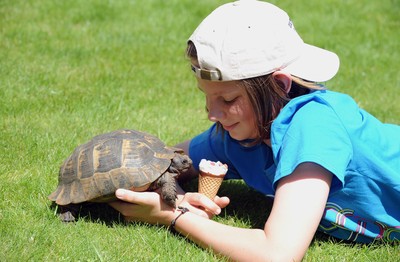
(313, 134)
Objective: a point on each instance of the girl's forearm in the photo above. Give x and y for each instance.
(238, 244)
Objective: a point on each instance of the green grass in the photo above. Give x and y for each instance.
(70, 70)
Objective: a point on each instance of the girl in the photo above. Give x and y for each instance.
(325, 160)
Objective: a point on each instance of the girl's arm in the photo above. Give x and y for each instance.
(298, 207)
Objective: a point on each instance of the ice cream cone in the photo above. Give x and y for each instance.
(210, 177)
(209, 184)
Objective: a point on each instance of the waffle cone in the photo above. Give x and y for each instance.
(209, 184)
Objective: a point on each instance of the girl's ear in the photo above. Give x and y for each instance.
(283, 79)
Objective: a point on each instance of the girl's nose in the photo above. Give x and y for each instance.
(215, 113)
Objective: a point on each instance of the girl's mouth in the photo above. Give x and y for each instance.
(230, 127)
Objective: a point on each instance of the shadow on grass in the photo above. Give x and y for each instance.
(246, 204)
(93, 212)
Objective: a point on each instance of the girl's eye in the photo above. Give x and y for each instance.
(230, 101)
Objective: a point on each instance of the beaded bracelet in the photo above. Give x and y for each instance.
(183, 211)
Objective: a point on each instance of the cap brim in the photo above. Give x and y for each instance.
(314, 64)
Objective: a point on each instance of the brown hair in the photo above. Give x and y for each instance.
(266, 96)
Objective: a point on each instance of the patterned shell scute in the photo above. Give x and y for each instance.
(120, 159)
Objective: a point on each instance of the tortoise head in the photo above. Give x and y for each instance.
(181, 163)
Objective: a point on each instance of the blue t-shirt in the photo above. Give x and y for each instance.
(327, 128)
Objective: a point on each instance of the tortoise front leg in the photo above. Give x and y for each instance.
(167, 183)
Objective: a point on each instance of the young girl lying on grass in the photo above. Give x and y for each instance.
(330, 165)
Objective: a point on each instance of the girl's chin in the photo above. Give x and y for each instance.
(236, 133)
(239, 137)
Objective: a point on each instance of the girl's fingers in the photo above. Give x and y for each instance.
(222, 202)
(139, 198)
(135, 204)
(207, 206)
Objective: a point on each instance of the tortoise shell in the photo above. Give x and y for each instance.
(121, 159)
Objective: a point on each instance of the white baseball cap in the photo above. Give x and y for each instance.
(250, 38)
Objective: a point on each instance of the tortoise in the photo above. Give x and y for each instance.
(127, 159)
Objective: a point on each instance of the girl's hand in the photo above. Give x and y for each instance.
(150, 208)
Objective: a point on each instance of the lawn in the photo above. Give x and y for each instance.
(73, 69)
